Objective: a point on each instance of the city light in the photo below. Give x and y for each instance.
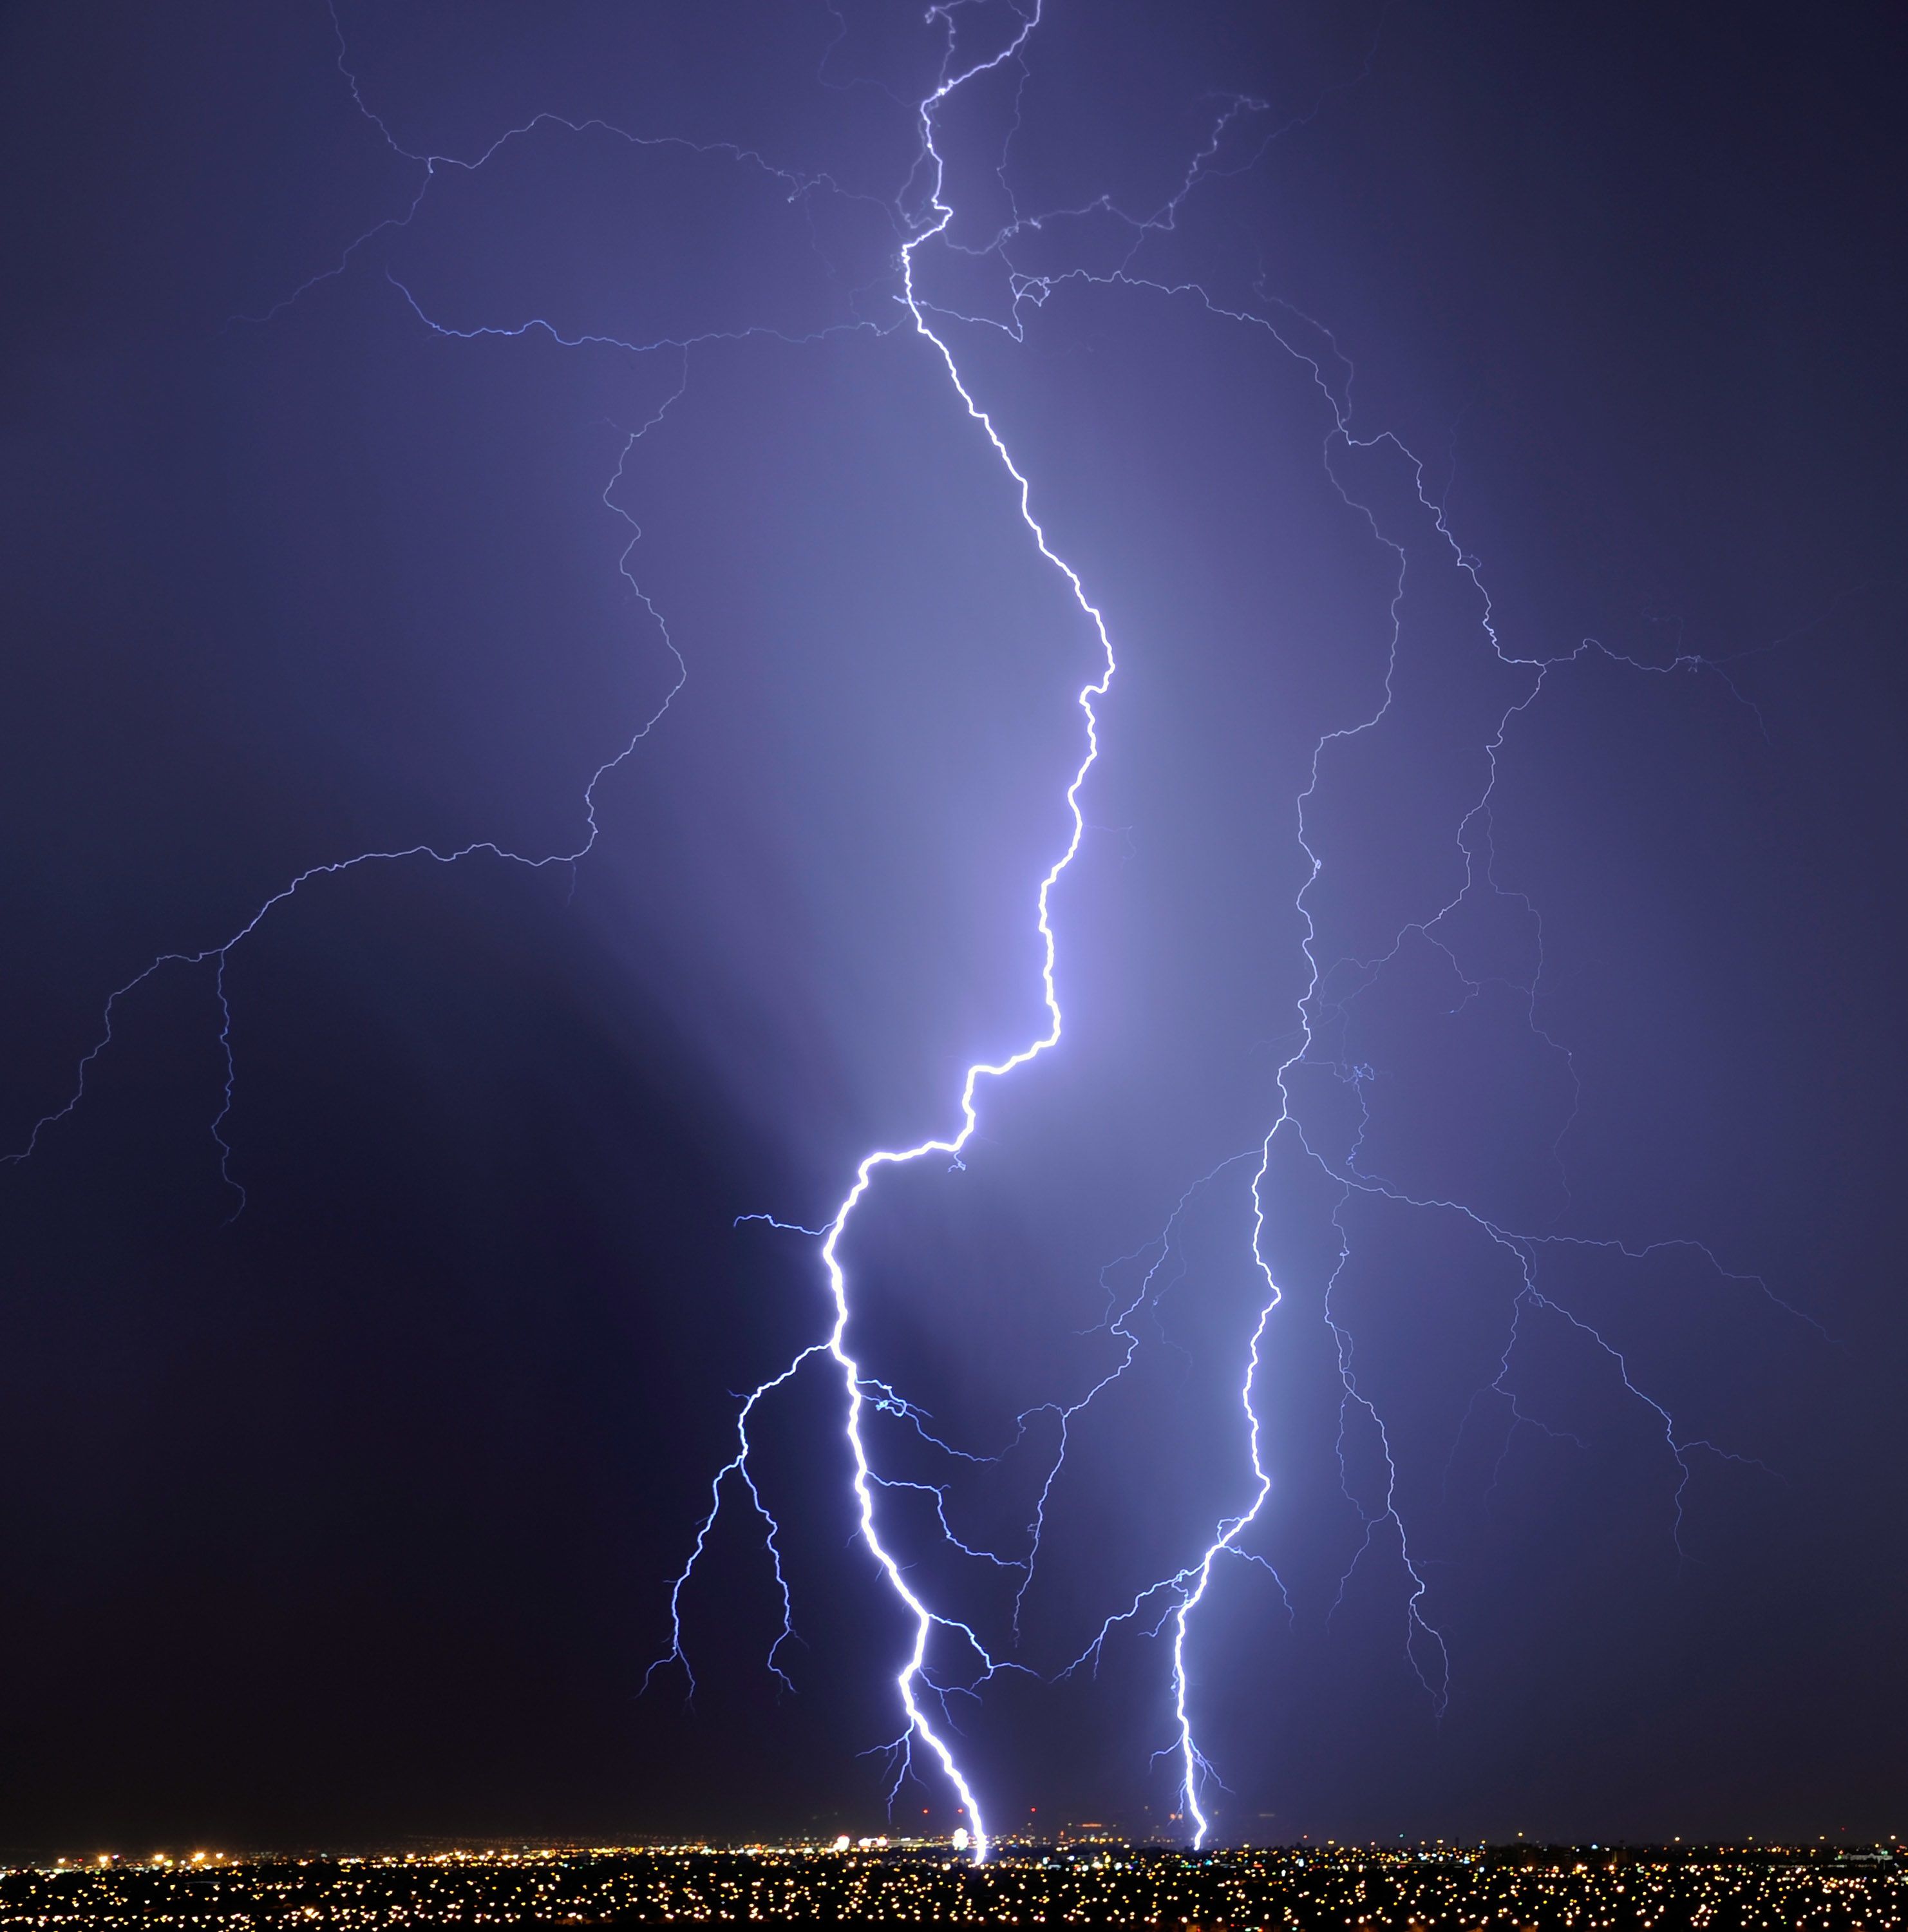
(1428, 1887)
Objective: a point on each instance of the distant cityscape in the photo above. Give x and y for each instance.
(1420, 1888)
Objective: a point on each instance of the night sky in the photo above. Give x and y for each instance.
(356, 501)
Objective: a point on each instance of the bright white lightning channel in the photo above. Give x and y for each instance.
(913, 1675)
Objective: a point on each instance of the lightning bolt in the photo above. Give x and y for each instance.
(914, 1673)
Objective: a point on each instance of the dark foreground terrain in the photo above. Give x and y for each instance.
(1589, 1889)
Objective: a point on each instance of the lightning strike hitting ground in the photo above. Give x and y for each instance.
(914, 1672)
(946, 1656)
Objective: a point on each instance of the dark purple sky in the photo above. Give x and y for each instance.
(356, 1515)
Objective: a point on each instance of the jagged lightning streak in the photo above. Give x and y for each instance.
(914, 1672)
(1425, 1646)
(219, 956)
(737, 1467)
(432, 163)
(1185, 1589)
